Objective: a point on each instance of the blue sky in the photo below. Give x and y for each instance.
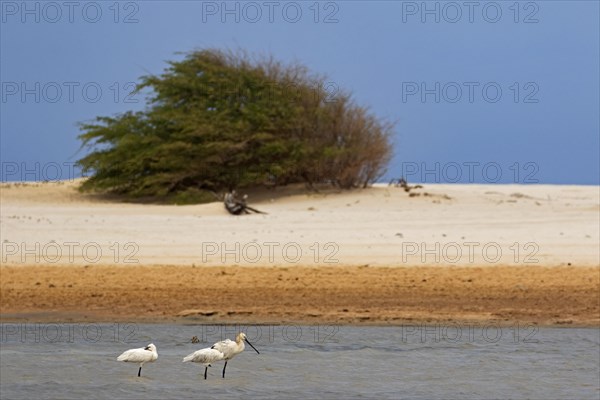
(481, 92)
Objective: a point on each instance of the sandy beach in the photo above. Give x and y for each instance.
(503, 253)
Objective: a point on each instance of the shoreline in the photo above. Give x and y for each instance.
(503, 254)
(336, 295)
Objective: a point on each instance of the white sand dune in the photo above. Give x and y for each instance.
(466, 225)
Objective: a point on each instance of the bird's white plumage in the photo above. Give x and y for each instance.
(204, 356)
(141, 356)
(229, 348)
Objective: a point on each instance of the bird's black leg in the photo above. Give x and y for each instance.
(224, 369)
(205, 371)
(140, 372)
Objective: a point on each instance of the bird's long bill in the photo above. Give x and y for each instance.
(252, 346)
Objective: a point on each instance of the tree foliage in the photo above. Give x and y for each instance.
(219, 120)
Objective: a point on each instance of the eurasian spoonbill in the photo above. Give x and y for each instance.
(223, 350)
(205, 357)
(142, 355)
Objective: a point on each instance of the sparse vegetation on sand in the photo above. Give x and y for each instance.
(219, 120)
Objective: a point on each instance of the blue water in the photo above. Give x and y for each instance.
(75, 361)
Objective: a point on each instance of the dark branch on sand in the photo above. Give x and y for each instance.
(236, 206)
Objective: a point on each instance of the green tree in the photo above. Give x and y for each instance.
(218, 120)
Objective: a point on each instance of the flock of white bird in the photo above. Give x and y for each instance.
(224, 350)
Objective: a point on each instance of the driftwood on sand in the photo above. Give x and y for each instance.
(403, 184)
(237, 206)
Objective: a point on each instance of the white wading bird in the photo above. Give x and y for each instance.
(224, 350)
(141, 356)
